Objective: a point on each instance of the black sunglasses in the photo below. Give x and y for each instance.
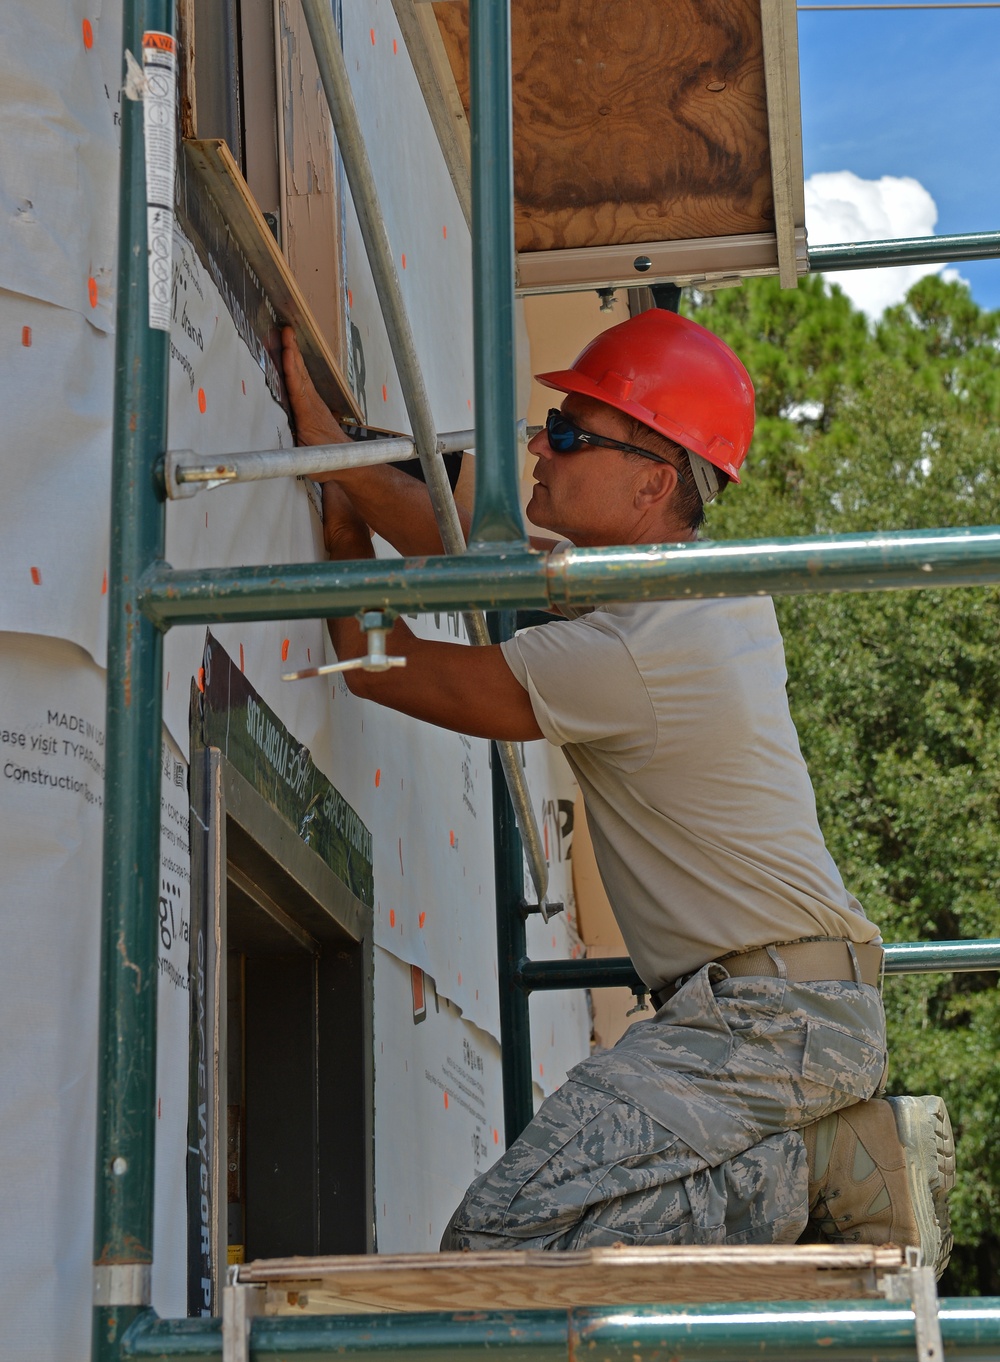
(566, 437)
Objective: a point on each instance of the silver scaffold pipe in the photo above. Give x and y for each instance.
(916, 250)
(364, 193)
(186, 473)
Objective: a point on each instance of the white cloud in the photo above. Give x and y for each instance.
(842, 207)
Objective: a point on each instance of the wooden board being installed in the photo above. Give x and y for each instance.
(591, 1277)
(212, 191)
(637, 124)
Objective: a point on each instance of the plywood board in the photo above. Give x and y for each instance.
(208, 167)
(536, 1279)
(633, 121)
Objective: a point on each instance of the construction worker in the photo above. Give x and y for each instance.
(744, 1110)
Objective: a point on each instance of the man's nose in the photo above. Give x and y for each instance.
(539, 445)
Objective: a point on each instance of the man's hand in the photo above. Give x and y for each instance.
(314, 422)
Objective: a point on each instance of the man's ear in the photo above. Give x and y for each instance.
(655, 485)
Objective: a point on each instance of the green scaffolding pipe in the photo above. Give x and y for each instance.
(836, 1331)
(126, 1097)
(304, 590)
(909, 957)
(898, 559)
(496, 514)
(942, 957)
(613, 971)
(914, 250)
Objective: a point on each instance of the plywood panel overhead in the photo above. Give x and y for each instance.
(639, 124)
(633, 121)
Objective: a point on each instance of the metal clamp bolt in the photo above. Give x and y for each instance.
(376, 624)
(548, 910)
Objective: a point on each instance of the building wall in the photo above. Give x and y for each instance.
(424, 793)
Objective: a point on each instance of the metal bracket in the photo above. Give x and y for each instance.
(186, 473)
(641, 996)
(548, 910)
(122, 1283)
(376, 624)
(240, 1303)
(916, 1284)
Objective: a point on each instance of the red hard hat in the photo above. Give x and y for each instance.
(673, 375)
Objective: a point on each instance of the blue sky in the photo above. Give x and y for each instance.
(910, 93)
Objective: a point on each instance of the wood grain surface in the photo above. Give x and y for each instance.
(594, 1277)
(634, 120)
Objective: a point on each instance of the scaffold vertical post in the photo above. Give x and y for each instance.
(496, 514)
(515, 1026)
(123, 1222)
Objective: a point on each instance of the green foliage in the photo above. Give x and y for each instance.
(896, 695)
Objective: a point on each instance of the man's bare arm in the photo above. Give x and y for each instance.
(395, 505)
(467, 689)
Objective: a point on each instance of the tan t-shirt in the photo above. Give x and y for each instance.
(674, 719)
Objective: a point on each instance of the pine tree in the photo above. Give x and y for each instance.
(896, 695)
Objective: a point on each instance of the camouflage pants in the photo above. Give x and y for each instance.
(687, 1132)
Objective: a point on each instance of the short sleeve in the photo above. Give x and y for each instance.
(585, 688)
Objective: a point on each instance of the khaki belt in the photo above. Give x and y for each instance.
(810, 961)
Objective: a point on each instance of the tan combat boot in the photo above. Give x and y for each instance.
(880, 1172)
